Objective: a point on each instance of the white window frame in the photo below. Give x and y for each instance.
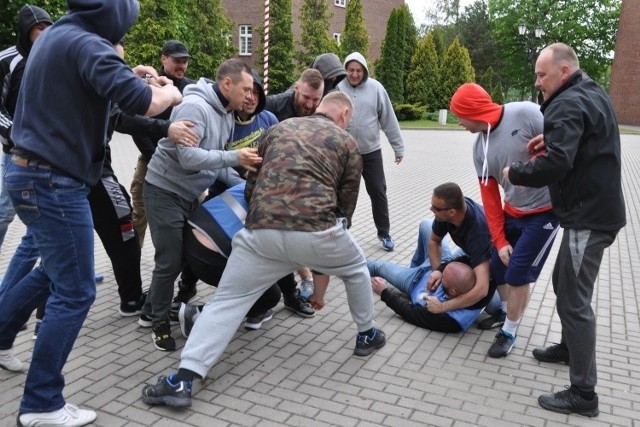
(340, 3)
(245, 42)
(337, 37)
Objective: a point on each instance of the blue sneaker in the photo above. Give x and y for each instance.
(502, 345)
(387, 243)
(166, 392)
(99, 278)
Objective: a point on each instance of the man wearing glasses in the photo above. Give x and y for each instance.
(464, 221)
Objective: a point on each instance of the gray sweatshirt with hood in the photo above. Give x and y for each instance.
(189, 171)
(372, 111)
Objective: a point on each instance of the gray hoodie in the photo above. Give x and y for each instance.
(189, 171)
(372, 111)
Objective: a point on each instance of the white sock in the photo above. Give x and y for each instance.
(511, 326)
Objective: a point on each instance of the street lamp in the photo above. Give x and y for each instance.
(532, 49)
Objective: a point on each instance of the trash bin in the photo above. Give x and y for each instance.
(442, 117)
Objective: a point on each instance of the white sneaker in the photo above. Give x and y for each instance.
(9, 362)
(67, 416)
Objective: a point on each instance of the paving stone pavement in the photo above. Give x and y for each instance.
(301, 372)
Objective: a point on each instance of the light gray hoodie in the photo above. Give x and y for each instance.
(372, 111)
(189, 171)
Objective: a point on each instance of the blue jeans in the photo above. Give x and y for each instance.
(7, 213)
(56, 211)
(22, 262)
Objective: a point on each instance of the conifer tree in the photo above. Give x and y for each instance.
(315, 20)
(354, 37)
(456, 70)
(281, 74)
(423, 80)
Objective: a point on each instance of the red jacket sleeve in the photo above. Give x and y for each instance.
(492, 203)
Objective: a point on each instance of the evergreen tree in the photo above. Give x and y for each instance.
(423, 80)
(280, 46)
(390, 67)
(315, 21)
(456, 70)
(354, 37)
(491, 82)
(410, 42)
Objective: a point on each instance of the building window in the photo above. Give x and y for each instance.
(337, 37)
(246, 33)
(340, 3)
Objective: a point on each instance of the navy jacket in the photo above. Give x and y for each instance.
(72, 74)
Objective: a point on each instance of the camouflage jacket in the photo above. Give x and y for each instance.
(310, 175)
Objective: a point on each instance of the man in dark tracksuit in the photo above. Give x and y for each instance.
(582, 168)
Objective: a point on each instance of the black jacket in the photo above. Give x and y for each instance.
(582, 165)
(281, 105)
(148, 141)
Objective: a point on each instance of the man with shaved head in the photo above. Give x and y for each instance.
(458, 278)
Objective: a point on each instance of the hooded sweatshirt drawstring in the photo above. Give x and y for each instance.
(485, 164)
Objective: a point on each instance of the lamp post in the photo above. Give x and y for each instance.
(532, 49)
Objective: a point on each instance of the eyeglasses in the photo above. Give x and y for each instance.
(435, 209)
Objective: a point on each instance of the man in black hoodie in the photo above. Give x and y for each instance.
(32, 21)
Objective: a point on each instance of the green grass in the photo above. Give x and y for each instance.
(430, 124)
(427, 124)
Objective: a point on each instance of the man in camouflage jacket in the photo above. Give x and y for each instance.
(301, 200)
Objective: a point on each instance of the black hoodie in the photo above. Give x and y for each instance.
(28, 16)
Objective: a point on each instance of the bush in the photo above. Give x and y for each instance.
(409, 111)
(434, 116)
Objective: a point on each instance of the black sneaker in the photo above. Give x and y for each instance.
(255, 322)
(365, 345)
(495, 321)
(186, 293)
(165, 392)
(557, 353)
(570, 401)
(145, 321)
(133, 308)
(299, 304)
(161, 335)
(502, 344)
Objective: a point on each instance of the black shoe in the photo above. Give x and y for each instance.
(299, 304)
(495, 321)
(185, 295)
(557, 353)
(365, 345)
(570, 401)
(255, 322)
(502, 345)
(133, 308)
(165, 392)
(145, 321)
(161, 335)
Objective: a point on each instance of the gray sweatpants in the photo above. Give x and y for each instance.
(258, 259)
(574, 276)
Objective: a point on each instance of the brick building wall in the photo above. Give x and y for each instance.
(625, 73)
(251, 12)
